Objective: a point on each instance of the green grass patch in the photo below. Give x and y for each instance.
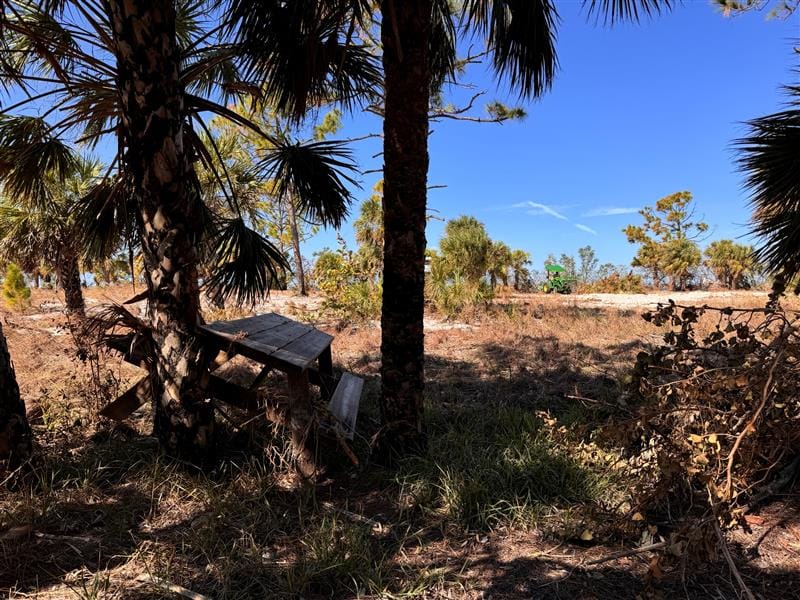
(495, 466)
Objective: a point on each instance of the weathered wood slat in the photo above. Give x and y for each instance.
(129, 401)
(311, 345)
(250, 325)
(344, 403)
(275, 336)
(279, 336)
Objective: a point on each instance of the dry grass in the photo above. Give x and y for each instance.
(501, 507)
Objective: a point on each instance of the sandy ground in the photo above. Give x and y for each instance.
(651, 299)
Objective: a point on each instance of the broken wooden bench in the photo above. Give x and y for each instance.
(273, 341)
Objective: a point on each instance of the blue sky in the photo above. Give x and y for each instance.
(636, 113)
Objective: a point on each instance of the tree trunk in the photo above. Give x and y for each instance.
(70, 278)
(298, 258)
(492, 280)
(405, 32)
(167, 195)
(15, 433)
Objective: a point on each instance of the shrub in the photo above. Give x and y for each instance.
(616, 284)
(716, 427)
(349, 292)
(453, 297)
(16, 293)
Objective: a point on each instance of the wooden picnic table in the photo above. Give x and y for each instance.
(278, 343)
(275, 342)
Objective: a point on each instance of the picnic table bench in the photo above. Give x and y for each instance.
(275, 342)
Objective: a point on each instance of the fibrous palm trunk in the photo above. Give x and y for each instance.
(169, 210)
(70, 277)
(298, 257)
(405, 32)
(15, 433)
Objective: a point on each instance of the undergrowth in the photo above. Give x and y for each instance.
(495, 466)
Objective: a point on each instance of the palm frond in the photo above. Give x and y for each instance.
(107, 218)
(244, 265)
(315, 175)
(29, 153)
(770, 159)
(614, 11)
(522, 38)
(214, 71)
(27, 236)
(302, 52)
(442, 44)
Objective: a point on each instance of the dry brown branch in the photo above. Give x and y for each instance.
(764, 397)
(732, 565)
(625, 553)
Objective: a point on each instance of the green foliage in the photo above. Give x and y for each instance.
(16, 293)
(111, 270)
(454, 294)
(368, 229)
(456, 279)
(733, 264)
(36, 230)
(494, 466)
(499, 261)
(350, 292)
(465, 248)
(520, 260)
(667, 239)
(500, 112)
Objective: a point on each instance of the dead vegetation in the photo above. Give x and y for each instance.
(524, 493)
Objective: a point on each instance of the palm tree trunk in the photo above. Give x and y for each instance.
(15, 433)
(70, 278)
(405, 32)
(298, 258)
(167, 195)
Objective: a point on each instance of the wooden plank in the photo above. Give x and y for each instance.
(294, 344)
(344, 403)
(250, 325)
(279, 336)
(128, 402)
(311, 345)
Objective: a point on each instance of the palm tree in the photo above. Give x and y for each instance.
(770, 159)
(46, 229)
(146, 73)
(519, 263)
(731, 263)
(498, 263)
(368, 230)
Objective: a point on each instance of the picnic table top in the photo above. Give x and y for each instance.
(271, 338)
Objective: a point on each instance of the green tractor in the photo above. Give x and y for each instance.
(558, 280)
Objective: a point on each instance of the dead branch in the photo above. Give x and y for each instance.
(732, 565)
